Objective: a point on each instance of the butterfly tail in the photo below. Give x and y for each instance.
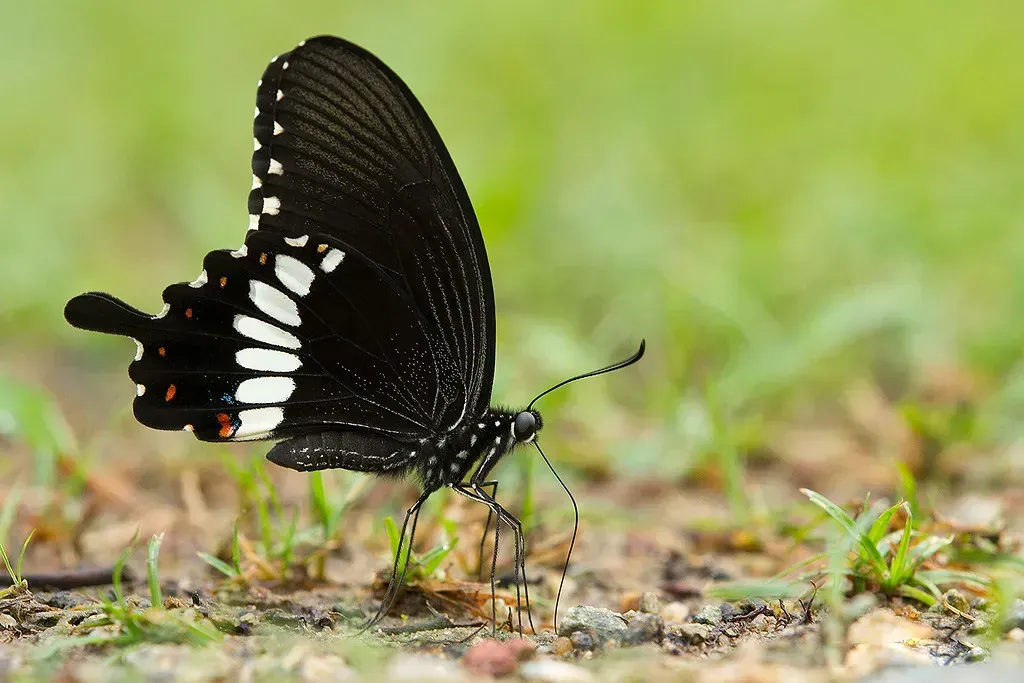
(101, 312)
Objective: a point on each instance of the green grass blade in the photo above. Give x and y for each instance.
(917, 594)
(901, 570)
(945, 577)
(844, 520)
(218, 564)
(433, 558)
(318, 501)
(236, 552)
(156, 597)
(766, 590)
(881, 525)
(115, 579)
(21, 555)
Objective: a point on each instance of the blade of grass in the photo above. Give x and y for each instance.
(839, 515)
(21, 555)
(218, 564)
(153, 571)
(901, 570)
(115, 579)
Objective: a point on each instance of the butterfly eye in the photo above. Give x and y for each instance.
(525, 426)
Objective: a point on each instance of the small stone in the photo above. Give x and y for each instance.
(881, 627)
(561, 646)
(497, 658)
(979, 626)
(420, 667)
(692, 634)
(1014, 616)
(977, 654)
(644, 628)
(649, 603)
(554, 671)
(675, 613)
(710, 615)
(325, 669)
(956, 600)
(1016, 635)
(606, 624)
(7, 621)
(584, 640)
(729, 612)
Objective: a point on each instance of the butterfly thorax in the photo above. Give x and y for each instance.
(470, 450)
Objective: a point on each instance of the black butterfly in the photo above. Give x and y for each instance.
(356, 322)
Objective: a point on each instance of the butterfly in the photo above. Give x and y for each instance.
(355, 325)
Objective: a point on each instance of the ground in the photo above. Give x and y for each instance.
(677, 577)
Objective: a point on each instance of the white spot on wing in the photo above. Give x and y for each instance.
(241, 252)
(140, 389)
(274, 303)
(163, 312)
(188, 428)
(256, 112)
(276, 167)
(254, 221)
(265, 390)
(271, 205)
(268, 360)
(265, 332)
(258, 421)
(138, 349)
(280, 95)
(297, 241)
(256, 145)
(293, 274)
(332, 260)
(278, 128)
(256, 183)
(199, 281)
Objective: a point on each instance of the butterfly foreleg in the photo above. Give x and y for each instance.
(395, 584)
(483, 538)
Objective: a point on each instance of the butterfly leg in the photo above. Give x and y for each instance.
(483, 538)
(464, 490)
(396, 582)
(519, 559)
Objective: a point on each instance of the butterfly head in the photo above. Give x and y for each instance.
(526, 425)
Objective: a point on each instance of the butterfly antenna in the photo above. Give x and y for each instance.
(593, 373)
(575, 524)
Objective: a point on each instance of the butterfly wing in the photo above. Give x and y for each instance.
(361, 297)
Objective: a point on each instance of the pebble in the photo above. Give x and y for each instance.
(606, 624)
(419, 667)
(326, 669)
(710, 615)
(561, 646)
(675, 613)
(649, 603)
(1014, 616)
(584, 640)
(956, 600)
(554, 671)
(691, 634)
(644, 628)
(496, 657)
(1016, 635)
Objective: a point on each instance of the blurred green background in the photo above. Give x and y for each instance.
(785, 199)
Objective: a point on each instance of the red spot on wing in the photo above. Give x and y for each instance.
(226, 426)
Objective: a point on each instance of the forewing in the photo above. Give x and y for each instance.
(343, 149)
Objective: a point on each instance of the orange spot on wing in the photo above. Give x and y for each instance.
(263, 259)
(188, 312)
(321, 248)
(223, 282)
(162, 351)
(226, 428)
(171, 391)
